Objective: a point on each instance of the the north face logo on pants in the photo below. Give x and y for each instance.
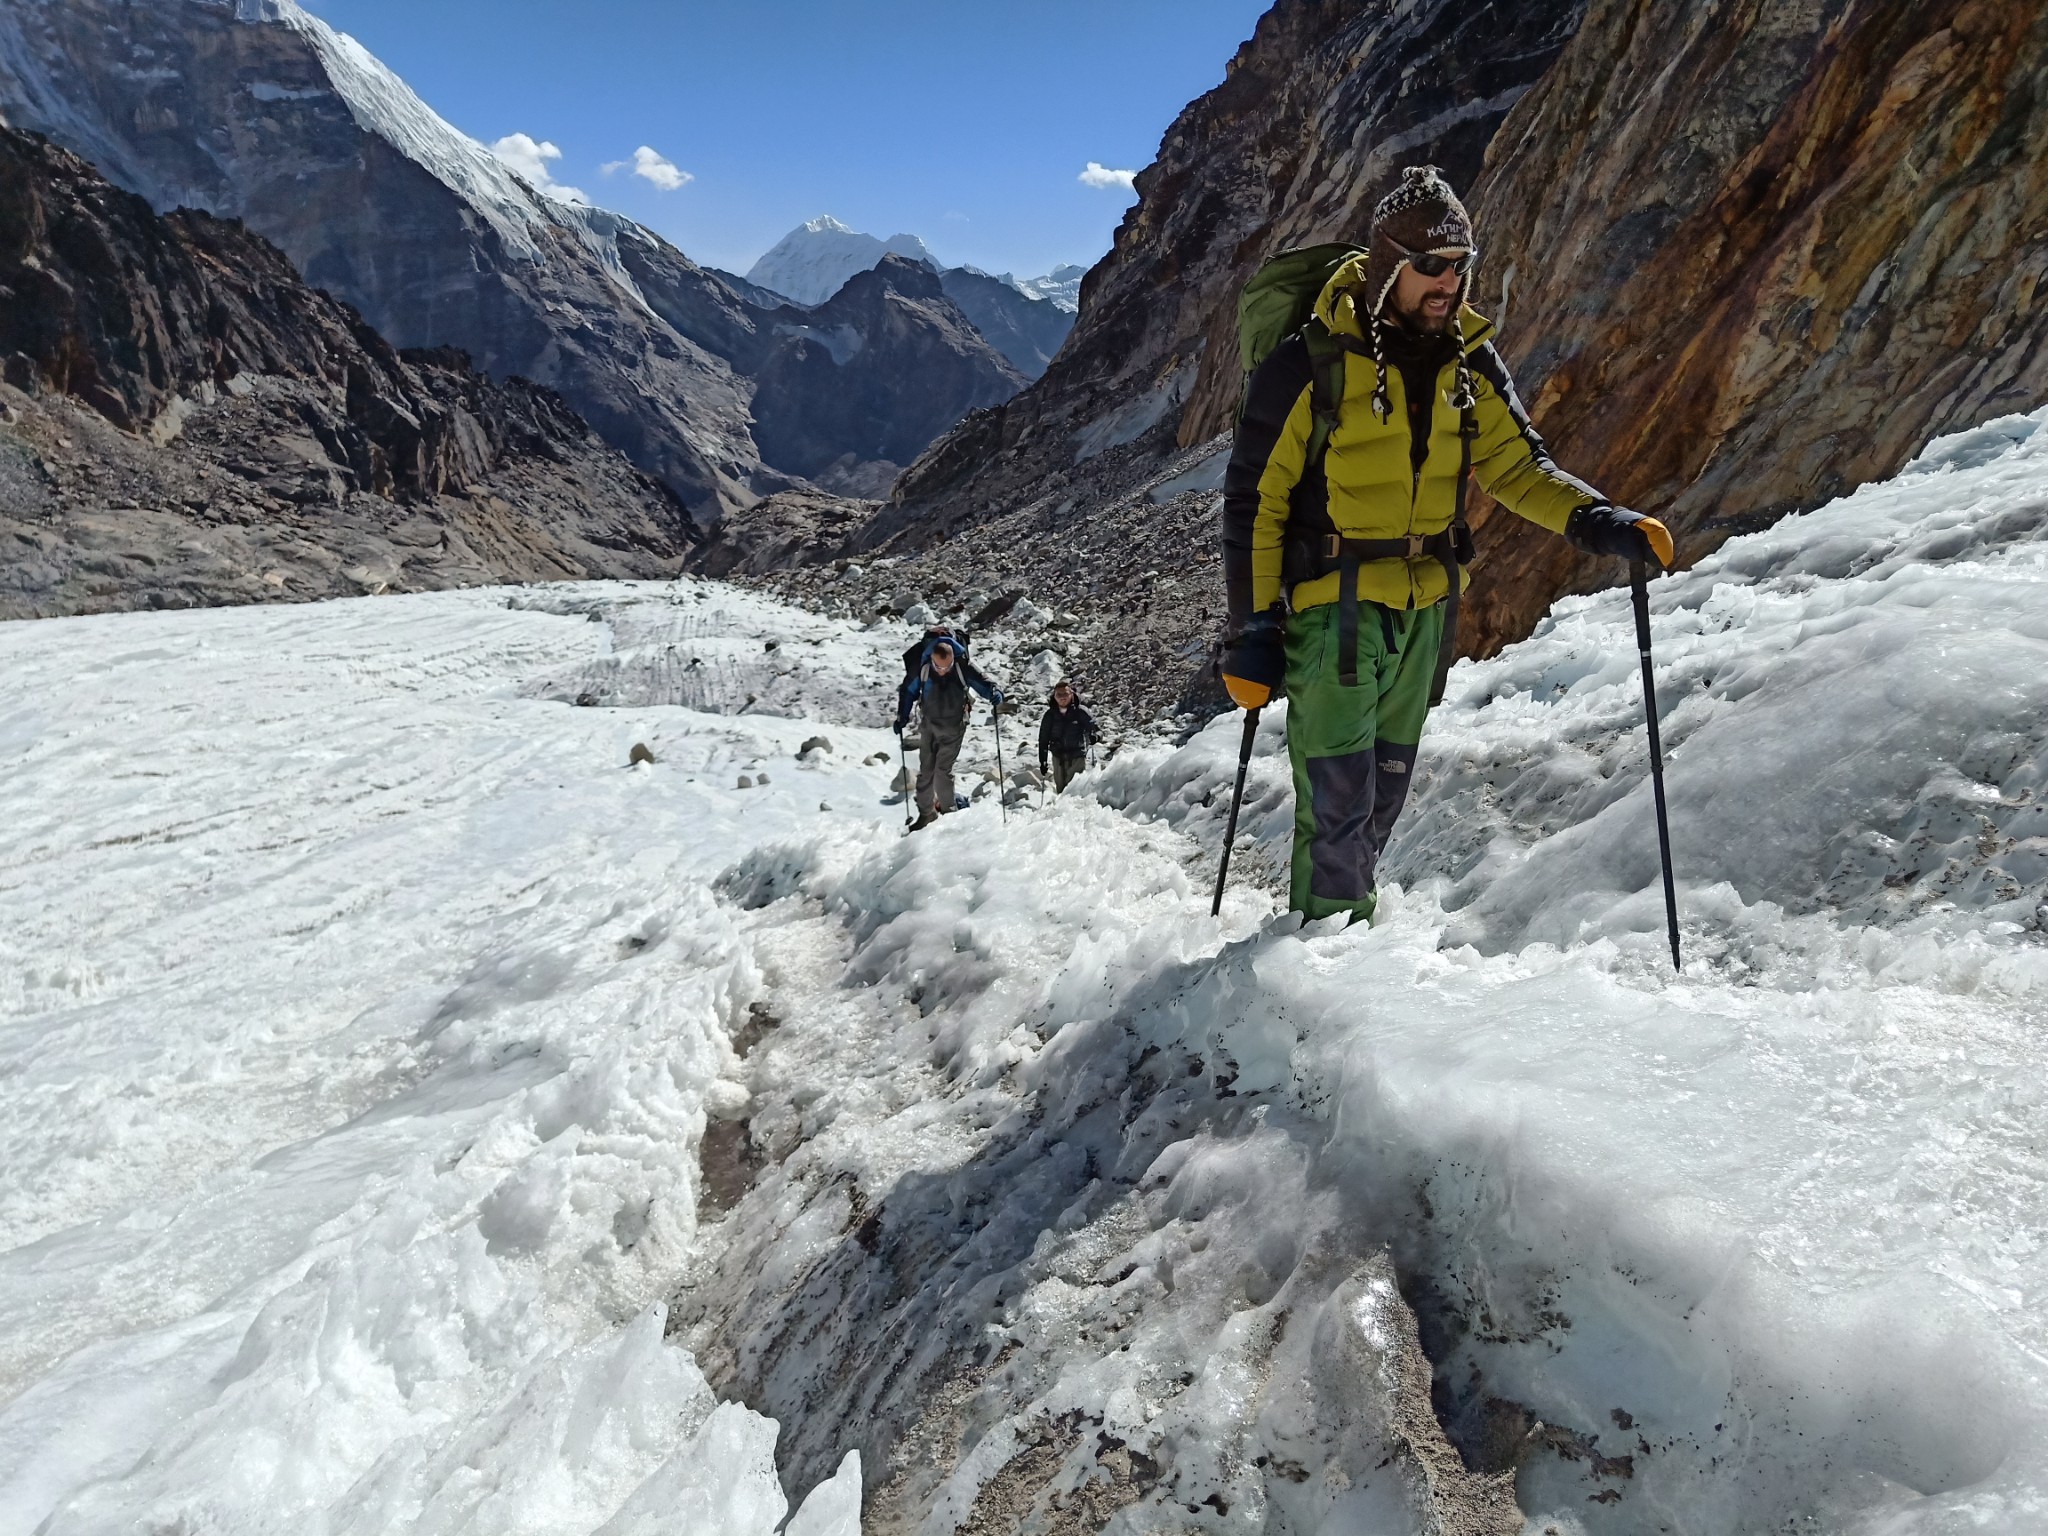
(1356, 798)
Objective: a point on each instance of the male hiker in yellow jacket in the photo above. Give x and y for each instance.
(1343, 523)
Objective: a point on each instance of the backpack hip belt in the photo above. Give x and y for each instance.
(1308, 557)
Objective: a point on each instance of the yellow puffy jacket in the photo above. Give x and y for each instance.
(1372, 485)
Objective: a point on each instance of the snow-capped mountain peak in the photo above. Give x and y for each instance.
(813, 261)
(1061, 286)
(386, 106)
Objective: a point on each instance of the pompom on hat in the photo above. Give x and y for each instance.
(1420, 214)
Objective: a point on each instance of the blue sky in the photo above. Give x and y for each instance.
(964, 121)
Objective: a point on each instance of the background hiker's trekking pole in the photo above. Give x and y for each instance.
(1244, 760)
(909, 784)
(1639, 583)
(1002, 787)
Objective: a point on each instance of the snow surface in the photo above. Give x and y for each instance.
(360, 1018)
(362, 1014)
(813, 261)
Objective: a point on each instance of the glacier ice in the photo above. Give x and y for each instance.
(368, 1031)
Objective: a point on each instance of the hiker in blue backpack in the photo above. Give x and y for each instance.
(937, 675)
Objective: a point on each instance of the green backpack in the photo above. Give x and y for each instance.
(1279, 302)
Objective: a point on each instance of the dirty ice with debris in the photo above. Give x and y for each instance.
(413, 1117)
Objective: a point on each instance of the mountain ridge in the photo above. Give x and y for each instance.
(184, 421)
(257, 110)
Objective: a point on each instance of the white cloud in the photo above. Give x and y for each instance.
(1102, 176)
(649, 166)
(530, 158)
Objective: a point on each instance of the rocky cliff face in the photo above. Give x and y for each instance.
(184, 421)
(1318, 112)
(253, 109)
(1762, 254)
(1749, 256)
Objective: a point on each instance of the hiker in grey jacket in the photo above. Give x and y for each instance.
(938, 686)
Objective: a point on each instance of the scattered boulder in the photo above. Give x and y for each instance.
(997, 608)
(903, 781)
(921, 616)
(746, 782)
(641, 753)
(814, 744)
(760, 780)
(903, 600)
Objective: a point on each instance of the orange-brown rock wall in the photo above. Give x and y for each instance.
(1760, 253)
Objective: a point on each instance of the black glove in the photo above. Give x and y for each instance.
(1254, 665)
(901, 722)
(1616, 531)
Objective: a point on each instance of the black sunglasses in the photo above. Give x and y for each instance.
(1430, 264)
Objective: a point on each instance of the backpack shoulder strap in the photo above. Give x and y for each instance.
(1458, 554)
(1325, 390)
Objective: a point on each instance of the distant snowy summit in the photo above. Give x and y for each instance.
(813, 261)
(1060, 286)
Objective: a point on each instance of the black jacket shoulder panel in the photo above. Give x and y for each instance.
(1269, 399)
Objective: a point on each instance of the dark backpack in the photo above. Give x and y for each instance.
(913, 659)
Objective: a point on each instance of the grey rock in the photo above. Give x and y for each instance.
(189, 424)
(876, 373)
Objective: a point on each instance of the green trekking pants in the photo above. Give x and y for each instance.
(1353, 749)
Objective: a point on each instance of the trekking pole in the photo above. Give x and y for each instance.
(1002, 794)
(1640, 590)
(1244, 761)
(909, 784)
